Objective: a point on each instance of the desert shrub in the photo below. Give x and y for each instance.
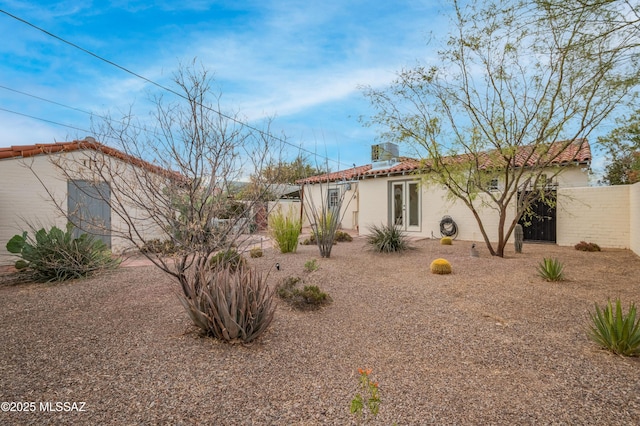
(387, 239)
(584, 246)
(228, 258)
(615, 331)
(440, 266)
(341, 237)
(307, 242)
(55, 255)
(160, 247)
(311, 265)
(285, 231)
(551, 269)
(230, 306)
(255, 252)
(310, 297)
(446, 241)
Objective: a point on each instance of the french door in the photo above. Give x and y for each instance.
(405, 205)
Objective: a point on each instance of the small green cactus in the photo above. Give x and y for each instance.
(518, 235)
(440, 267)
(446, 241)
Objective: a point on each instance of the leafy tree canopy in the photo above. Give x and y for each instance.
(622, 145)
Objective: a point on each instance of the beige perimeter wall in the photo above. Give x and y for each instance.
(634, 218)
(599, 215)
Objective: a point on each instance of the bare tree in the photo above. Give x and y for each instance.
(182, 194)
(517, 86)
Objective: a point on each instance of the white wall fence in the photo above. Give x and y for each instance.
(608, 216)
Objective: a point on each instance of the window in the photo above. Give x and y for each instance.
(333, 197)
(493, 185)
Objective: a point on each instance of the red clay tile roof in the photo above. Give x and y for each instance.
(25, 151)
(348, 174)
(578, 151)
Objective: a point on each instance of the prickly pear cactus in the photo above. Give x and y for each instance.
(518, 234)
(440, 266)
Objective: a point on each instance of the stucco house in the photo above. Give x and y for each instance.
(389, 190)
(45, 184)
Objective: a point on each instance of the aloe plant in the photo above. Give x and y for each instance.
(230, 306)
(615, 331)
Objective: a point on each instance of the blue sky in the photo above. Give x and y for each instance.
(298, 61)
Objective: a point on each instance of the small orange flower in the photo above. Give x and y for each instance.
(374, 384)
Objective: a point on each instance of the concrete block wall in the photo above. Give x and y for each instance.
(634, 218)
(599, 215)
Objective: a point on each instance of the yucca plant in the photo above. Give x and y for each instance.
(615, 331)
(387, 239)
(285, 230)
(551, 269)
(230, 306)
(56, 255)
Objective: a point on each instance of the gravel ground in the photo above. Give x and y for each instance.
(490, 344)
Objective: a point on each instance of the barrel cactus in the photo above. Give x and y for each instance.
(446, 241)
(440, 266)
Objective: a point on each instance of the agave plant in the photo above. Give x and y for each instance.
(615, 331)
(551, 269)
(387, 239)
(230, 306)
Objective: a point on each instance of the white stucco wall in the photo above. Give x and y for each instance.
(349, 213)
(434, 204)
(594, 214)
(32, 187)
(24, 201)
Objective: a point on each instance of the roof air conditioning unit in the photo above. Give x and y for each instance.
(384, 151)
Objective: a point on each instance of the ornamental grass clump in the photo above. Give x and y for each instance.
(230, 306)
(387, 239)
(551, 269)
(615, 331)
(440, 267)
(285, 230)
(57, 255)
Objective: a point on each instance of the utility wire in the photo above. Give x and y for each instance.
(45, 120)
(47, 100)
(168, 89)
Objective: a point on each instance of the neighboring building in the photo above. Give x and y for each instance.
(35, 191)
(389, 190)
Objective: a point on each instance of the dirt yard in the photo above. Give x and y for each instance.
(490, 344)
